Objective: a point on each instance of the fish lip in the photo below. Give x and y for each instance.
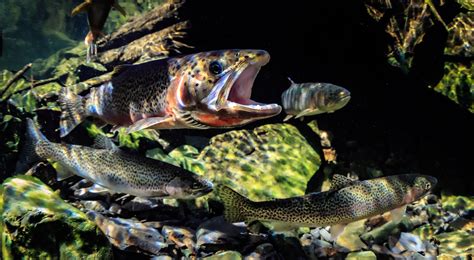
(345, 99)
(220, 100)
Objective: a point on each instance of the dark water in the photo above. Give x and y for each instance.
(393, 124)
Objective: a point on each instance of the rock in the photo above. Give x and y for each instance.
(325, 235)
(457, 203)
(381, 234)
(95, 205)
(457, 84)
(226, 255)
(127, 234)
(180, 236)
(141, 204)
(456, 243)
(366, 255)
(216, 234)
(288, 247)
(263, 251)
(37, 223)
(273, 160)
(408, 242)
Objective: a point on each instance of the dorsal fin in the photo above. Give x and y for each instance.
(340, 181)
(291, 81)
(103, 142)
(120, 68)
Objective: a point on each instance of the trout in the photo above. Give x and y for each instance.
(112, 168)
(97, 13)
(307, 99)
(199, 91)
(347, 201)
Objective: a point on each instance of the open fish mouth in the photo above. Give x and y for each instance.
(235, 90)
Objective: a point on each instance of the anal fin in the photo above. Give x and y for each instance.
(337, 230)
(151, 122)
(306, 112)
(397, 214)
(62, 172)
(288, 117)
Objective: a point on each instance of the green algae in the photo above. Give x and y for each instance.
(37, 223)
(270, 161)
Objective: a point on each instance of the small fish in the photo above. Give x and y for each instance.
(97, 13)
(200, 91)
(112, 168)
(307, 99)
(347, 201)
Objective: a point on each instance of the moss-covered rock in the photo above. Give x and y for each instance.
(270, 161)
(366, 255)
(456, 203)
(458, 84)
(456, 243)
(37, 223)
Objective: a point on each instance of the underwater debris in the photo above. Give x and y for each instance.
(155, 20)
(158, 45)
(407, 24)
(307, 99)
(14, 78)
(197, 91)
(461, 36)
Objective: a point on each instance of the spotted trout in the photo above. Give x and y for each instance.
(200, 91)
(97, 13)
(114, 169)
(307, 99)
(347, 201)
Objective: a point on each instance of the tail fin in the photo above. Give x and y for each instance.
(33, 137)
(234, 204)
(72, 111)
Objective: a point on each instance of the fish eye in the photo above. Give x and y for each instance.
(427, 186)
(215, 67)
(196, 186)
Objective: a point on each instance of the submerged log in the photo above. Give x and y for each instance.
(159, 18)
(160, 44)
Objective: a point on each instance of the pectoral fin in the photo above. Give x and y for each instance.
(62, 172)
(119, 8)
(337, 230)
(151, 122)
(305, 113)
(81, 8)
(397, 214)
(288, 117)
